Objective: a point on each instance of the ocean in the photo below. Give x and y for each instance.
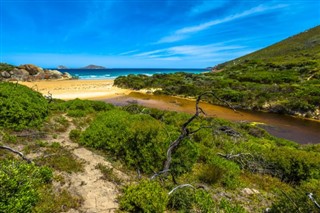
(114, 73)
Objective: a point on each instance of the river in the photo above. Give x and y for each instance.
(295, 129)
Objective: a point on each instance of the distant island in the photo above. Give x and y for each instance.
(61, 67)
(91, 66)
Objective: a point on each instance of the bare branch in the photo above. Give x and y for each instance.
(197, 130)
(230, 156)
(49, 97)
(180, 186)
(159, 173)
(16, 152)
(310, 196)
(185, 132)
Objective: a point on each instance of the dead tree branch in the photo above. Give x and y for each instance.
(185, 132)
(48, 97)
(310, 196)
(180, 186)
(231, 156)
(16, 152)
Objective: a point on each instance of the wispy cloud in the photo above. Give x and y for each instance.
(199, 51)
(185, 32)
(206, 6)
(128, 52)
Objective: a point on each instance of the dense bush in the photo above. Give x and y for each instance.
(147, 196)
(21, 107)
(191, 200)
(80, 108)
(19, 184)
(139, 140)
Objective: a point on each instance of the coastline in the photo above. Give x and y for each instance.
(71, 89)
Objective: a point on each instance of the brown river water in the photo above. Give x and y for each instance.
(299, 130)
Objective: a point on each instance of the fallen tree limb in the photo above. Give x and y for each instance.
(230, 156)
(310, 196)
(16, 152)
(180, 186)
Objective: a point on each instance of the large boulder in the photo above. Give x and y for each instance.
(67, 75)
(19, 74)
(5, 74)
(32, 69)
(53, 74)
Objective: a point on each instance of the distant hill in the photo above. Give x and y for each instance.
(91, 66)
(61, 67)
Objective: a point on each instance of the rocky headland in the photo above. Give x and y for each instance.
(30, 72)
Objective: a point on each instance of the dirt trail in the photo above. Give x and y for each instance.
(99, 195)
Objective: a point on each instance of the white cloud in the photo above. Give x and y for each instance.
(206, 6)
(196, 51)
(185, 32)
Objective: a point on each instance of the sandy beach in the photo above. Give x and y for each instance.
(84, 89)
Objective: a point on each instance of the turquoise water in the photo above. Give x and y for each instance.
(114, 73)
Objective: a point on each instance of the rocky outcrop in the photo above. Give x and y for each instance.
(30, 72)
(31, 69)
(5, 74)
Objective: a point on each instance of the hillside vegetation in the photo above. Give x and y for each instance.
(219, 167)
(282, 78)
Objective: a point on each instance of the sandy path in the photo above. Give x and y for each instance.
(71, 89)
(98, 194)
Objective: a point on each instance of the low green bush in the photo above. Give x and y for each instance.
(19, 184)
(191, 200)
(147, 196)
(140, 141)
(21, 107)
(80, 108)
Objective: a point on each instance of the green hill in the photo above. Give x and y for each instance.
(282, 78)
(299, 48)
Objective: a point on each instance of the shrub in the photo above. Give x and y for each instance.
(18, 185)
(147, 196)
(80, 108)
(139, 140)
(182, 199)
(21, 107)
(293, 165)
(191, 200)
(227, 171)
(74, 135)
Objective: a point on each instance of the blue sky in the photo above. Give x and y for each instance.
(146, 33)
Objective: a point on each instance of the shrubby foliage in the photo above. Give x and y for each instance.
(19, 185)
(147, 196)
(80, 108)
(139, 140)
(21, 107)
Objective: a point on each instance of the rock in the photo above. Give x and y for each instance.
(53, 74)
(5, 74)
(66, 75)
(20, 74)
(32, 69)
